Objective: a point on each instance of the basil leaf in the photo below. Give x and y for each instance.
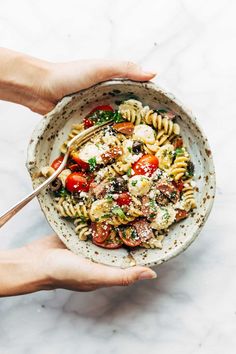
(92, 164)
(118, 117)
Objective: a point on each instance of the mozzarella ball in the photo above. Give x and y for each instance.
(165, 156)
(100, 210)
(63, 176)
(164, 218)
(139, 185)
(89, 151)
(144, 133)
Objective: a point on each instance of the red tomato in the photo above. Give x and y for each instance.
(88, 123)
(90, 177)
(146, 165)
(82, 164)
(129, 236)
(112, 242)
(76, 182)
(57, 162)
(100, 231)
(124, 127)
(101, 108)
(178, 184)
(124, 199)
(109, 244)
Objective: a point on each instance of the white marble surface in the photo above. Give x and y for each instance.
(191, 307)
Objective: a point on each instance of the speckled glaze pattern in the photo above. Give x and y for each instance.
(52, 131)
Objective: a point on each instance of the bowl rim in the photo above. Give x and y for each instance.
(40, 127)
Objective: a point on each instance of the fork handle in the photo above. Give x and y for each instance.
(14, 209)
(18, 206)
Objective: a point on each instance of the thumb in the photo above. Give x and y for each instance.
(115, 276)
(108, 69)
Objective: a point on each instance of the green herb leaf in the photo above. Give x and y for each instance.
(166, 215)
(153, 205)
(117, 117)
(129, 149)
(129, 172)
(109, 198)
(61, 193)
(92, 164)
(179, 151)
(119, 212)
(105, 216)
(100, 117)
(133, 183)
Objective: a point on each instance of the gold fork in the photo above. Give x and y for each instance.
(80, 139)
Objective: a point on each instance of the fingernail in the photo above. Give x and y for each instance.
(149, 72)
(148, 274)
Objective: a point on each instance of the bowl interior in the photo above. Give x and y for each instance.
(52, 131)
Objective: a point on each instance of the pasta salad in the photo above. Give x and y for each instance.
(130, 182)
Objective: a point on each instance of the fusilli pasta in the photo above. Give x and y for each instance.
(179, 167)
(66, 207)
(82, 229)
(188, 196)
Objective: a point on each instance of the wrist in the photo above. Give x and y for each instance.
(20, 273)
(23, 80)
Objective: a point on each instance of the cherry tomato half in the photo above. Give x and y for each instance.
(76, 182)
(88, 123)
(129, 236)
(57, 162)
(101, 108)
(112, 242)
(124, 199)
(146, 165)
(82, 164)
(100, 231)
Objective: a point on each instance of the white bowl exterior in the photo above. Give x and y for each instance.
(53, 130)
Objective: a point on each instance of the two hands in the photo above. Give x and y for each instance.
(46, 263)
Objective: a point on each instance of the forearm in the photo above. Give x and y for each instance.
(20, 273)
(23, 80)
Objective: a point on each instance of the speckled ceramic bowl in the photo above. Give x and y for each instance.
(53, 130)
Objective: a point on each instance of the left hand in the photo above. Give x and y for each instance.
(65, 78)
(39, 85)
